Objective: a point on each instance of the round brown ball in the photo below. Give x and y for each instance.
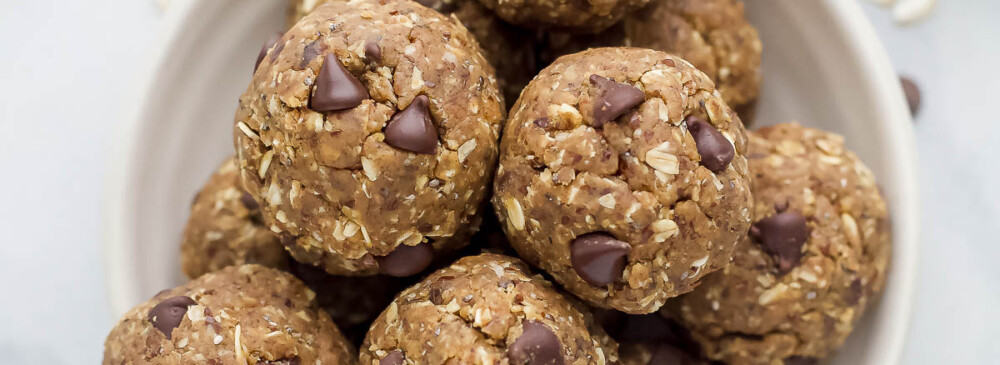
(225, 228)
(486, 309)
(369, 135)
(713, 35)
(622, 174)
(247, 314)
(814, 260)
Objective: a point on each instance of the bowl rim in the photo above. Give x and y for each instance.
(898, 124)
(119, 224)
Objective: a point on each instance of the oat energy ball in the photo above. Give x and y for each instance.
(369, 136)
(583, 16)
(225, 228)
(247, 314)
(486, 309)
(713, 35)
(815, 257)
(622, 174)
(508, 48)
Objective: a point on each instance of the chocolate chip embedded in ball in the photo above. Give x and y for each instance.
(266, 47)
(782, 235)
(311, 51)
(613, 100)
(394, 357)
(406, 260)
(336, 89)
(599, 258)
(411, 129)
(248, 202)
(168, 314)
(716, 151)
(537, 345)
(373, 53)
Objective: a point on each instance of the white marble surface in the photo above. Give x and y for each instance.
(66, 65)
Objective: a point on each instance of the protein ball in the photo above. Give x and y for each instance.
(622, 174)
(247, 314)
(369, 136)
(511, 50)
(816, 255)
(486, 309)
(225, 228)
(586, 16)
(713, 35)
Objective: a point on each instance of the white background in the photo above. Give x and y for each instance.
(66, 66)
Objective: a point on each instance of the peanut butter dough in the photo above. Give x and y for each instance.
(815, 257)
(369, 135)
(622, 174)
(225, 228)
(486, 309)
(240, 315)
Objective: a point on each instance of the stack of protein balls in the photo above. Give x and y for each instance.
(373, 213)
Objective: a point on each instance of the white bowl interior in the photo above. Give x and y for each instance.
(822, 67)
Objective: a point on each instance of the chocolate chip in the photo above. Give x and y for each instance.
(542, 122)
(291, 361)
(537, 345)
(248, 201)
(372, 51)
(336, 89)
(310, 52)
(716, 151)
(598, 258)
(168, 314)
(854, 292)
(263, 49)
(280, 46)
(406, 260)
(801, 360)
(435, 296)
(287, 240)
(411, 129)
(395, 357)
(614, 99)
(782, 235)
(912, 93)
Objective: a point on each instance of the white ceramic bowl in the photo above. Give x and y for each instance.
(823, 67)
